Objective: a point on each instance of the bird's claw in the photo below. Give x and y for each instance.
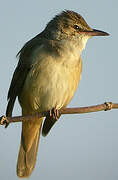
(54, 113)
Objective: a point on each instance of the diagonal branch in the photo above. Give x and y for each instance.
(102, 107)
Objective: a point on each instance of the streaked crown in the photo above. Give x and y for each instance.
(70, 22)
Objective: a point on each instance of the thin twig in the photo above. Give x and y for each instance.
(102, 107)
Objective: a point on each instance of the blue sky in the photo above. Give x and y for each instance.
(79, 146)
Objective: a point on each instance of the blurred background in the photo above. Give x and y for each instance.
(82, 146)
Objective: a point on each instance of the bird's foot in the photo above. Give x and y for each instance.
(54, 113)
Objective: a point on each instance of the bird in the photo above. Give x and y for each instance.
(46, 78)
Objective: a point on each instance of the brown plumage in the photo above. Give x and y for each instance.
(46, 77)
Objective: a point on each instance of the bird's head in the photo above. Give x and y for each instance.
(71, 25)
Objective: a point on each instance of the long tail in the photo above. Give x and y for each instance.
(28, 147)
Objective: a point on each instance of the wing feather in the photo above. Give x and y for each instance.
(21, 71)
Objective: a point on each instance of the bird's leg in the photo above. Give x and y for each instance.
(54, 113)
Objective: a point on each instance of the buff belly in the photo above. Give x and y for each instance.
(49, 85)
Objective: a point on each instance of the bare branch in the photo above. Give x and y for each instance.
(102, 107)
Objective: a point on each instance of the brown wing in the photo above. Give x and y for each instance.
(21, 71)
(17, 82)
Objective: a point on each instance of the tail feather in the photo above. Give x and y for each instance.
(48, 124)
(28, 148)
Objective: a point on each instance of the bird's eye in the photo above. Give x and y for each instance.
(76, 27)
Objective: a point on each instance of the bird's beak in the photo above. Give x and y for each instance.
(96, 32)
